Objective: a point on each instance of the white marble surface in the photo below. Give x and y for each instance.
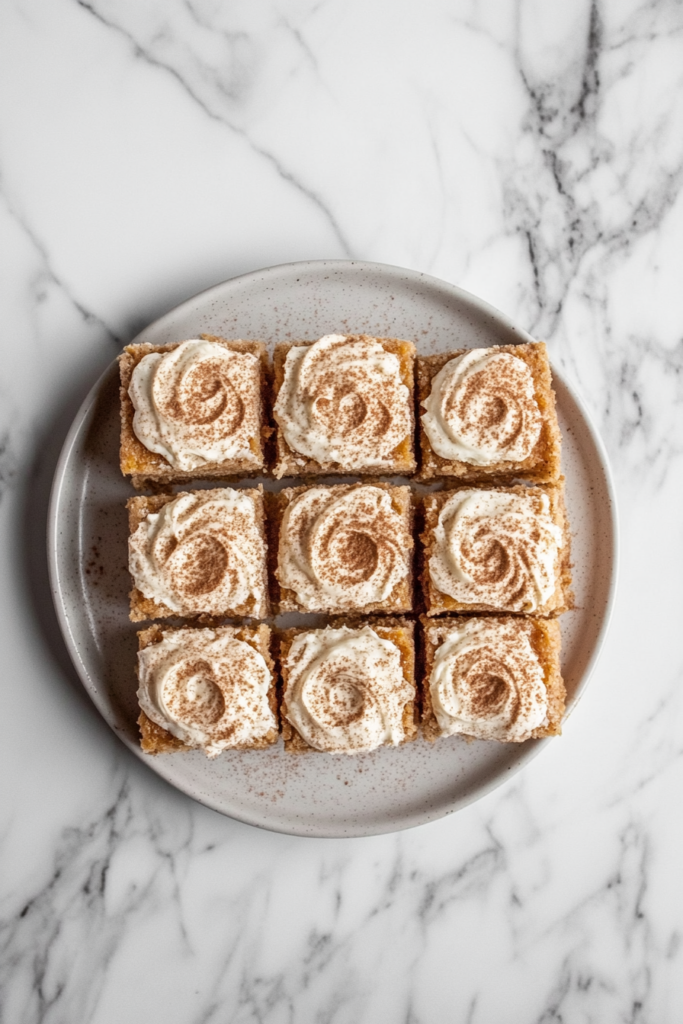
(531, 152)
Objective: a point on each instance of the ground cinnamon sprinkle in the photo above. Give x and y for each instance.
(203, 396)
(206, 552)
(360, 555)
(204, 709)
(205, 565)
(344, 405)
(484, 400)
(340, 695)
(490, 682)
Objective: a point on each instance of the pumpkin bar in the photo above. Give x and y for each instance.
(491, 677)
(344, 404)
(496, 549)
(349, 687)
(342, 549)
(198, 553)
(193, 410)
(211, 689)
(488, 415)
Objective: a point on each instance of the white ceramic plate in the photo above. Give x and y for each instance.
(311, 795)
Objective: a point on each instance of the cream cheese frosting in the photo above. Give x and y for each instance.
(202, 552)
(497, 548)
(207, 688)
(346, 691)
(482, 409)
(487, 682)
(342, 550)
(197, 404)
(342, 401)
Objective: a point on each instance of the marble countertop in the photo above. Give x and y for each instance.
(529, 152)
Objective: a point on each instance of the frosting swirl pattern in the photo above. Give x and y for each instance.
(207, 688)
(497, 549)
(196, 404)
(202, 552)
(482, 409)
(342, 401)
(346, 691)
(487, 682)
(342, 550)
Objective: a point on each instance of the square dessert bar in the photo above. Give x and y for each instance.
(148, 468)
(540, 465)
(154, 739)
(345, 549)
(502, 548)
(196, 558)
(402, 459)
(398, 631)
(544, 639)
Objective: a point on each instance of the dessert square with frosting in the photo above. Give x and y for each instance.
(193, 410)
(341, 549)
(209, 689)
(198, 553)
(496, 549)
(491, 678)
(344, 404)
(488, 414)
(348, 688)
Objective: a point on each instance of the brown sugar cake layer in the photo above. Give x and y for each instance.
(198, 553)
(491, 677)
(342, 549)
(496, 549)
(193, 410)
(344, 404)
(349, 687)
(488, 414)
(211, 689)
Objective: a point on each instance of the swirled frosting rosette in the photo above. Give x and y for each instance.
(346, 691)
(486, 681)
(207, 688)
(197, 404)
(343, 548)
(343, 401)
(482, 409)
(201, 553)
(497, 549)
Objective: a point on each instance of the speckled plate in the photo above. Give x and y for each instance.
(313, 795)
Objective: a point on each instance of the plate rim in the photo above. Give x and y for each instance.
(409, 819)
